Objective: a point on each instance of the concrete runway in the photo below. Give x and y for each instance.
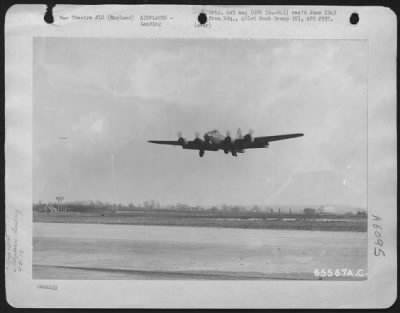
(105, 251)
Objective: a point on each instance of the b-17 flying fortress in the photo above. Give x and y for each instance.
(214, 141)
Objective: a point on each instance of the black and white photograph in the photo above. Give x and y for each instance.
(200, 156)
(199, 159)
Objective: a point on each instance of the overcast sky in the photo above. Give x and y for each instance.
(109, 96)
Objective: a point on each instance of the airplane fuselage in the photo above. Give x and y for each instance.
(214, 136)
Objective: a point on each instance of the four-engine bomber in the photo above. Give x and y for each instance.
(214, 141)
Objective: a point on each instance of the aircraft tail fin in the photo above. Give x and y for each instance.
(239, 134)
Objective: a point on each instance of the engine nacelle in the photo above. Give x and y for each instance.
(228, 139)
(248, 138)
(182, 141)
(198, 141)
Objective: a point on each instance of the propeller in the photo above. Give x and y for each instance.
(198, 139)
(249, 136)
(228, 138)
(181, 140)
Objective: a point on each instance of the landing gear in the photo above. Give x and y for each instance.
(226, 151)
(234, 153)
(201, 153)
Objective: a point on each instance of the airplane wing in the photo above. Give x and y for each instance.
(166, 142)
(193, 145)
(267, 139)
